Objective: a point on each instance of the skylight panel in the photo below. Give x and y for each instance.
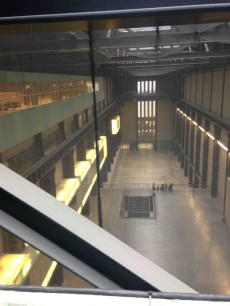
(149, 29)
(146, 48)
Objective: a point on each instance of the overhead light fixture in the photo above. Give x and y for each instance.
(200, 127)
(194, 122)
(222, 145)
(178, 109)
(211, 136)
(189, 119)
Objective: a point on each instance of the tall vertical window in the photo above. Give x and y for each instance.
(146, 87)
(146, 113)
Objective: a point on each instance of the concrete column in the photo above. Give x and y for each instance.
(227, 175)
(90, 138)
(75, 123)
(38, 145)
(197, 152)
(81, 149)
(215, 162)
(103, 173)
(61, 131)
(228, 159)
(68, 165)
(176, 130)
(179, 136)
(191, 149)
(47, 183)
(186, 164)
(86, 209)
(183, 119)
(205, 155)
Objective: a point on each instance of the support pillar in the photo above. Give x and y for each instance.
(182, 141)
(177, 115)
(179, 137)
(47, 183)
(215, 161)
(186, 164)
(205, 155)
(68, 165)
(75, 123)
(197, 152)
(90, 140)
(191, 150)
(227, 175)
(61, 131)
(81, 149)
(86, 209)
(38, 145)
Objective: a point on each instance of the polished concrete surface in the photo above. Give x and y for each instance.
(188, 238)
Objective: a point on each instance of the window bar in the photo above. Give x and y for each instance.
(93, 69)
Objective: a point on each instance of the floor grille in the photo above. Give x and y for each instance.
(138, 206)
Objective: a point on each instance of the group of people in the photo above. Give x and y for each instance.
(163, 187)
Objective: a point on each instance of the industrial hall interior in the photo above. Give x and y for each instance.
(127, 130)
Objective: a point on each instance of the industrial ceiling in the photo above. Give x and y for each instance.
(139, 51)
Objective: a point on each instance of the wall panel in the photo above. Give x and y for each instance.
(199, 90)
(185, 86)
(193, 88)
(207, 90)
(165, 116)
(226, 100)
(217, 89)
(129, 122)
(188, 87)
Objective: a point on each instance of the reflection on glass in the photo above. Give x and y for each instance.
(17, 96)
(21, 264)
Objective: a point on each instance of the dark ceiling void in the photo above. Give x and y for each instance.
(136, 51)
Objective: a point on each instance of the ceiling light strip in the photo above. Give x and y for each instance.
(222, 145)
(194, 122)
(210, 136)
(202, 129)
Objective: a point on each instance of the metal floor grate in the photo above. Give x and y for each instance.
(138, 207)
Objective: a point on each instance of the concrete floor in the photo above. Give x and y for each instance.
(187, 239)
